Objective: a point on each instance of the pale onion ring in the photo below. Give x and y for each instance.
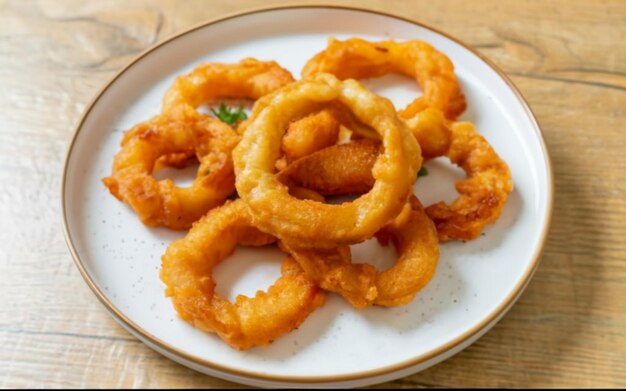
(313, 224)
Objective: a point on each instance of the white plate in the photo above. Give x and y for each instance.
(475, 284)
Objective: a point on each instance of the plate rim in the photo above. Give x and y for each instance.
(499, 311)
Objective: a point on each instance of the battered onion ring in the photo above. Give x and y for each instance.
(186, 271)
(482, 195)
(359, 59)
(250, 78)
(313, 224)
(161, 202)
(415, 239)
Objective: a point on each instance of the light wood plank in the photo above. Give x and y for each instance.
(567, 57)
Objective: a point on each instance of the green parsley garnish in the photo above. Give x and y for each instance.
(229, 115)
(422, 172)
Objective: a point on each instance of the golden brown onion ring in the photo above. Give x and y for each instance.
(250, 78)
(310, 223)
(162, 202)
(257, 321)
(359, 59)
(415, 239)
(482, 194)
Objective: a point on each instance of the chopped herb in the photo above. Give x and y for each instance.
(422, 172)
(229, 115)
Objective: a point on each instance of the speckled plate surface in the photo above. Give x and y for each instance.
(475, 284)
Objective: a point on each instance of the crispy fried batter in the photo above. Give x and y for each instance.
(432, 132)
(309, 134)
(256, 321)
(181, 136)
(162, 202)
(360, 59)
(335, 170)
(250, 78)
(345, 169)
(415, 239)
(482, 194)
(332, 124)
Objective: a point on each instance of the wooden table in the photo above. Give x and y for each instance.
(567, 57)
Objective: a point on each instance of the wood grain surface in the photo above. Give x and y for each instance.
(567, 57)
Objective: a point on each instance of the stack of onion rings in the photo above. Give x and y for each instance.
(484, 192)
(325, 135)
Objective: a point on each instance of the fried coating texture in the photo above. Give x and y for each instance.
(359, 59)
(162, 202)
(432, 132)
(345, 169)
(482, 194)
(250, 78)
(332, 124)
(180, 136)
(336, 170)
(309, 134)
(250, 321)
(324, 135)
(310, 223)
(415, 239)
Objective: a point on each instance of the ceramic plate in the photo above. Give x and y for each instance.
(475, 284)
